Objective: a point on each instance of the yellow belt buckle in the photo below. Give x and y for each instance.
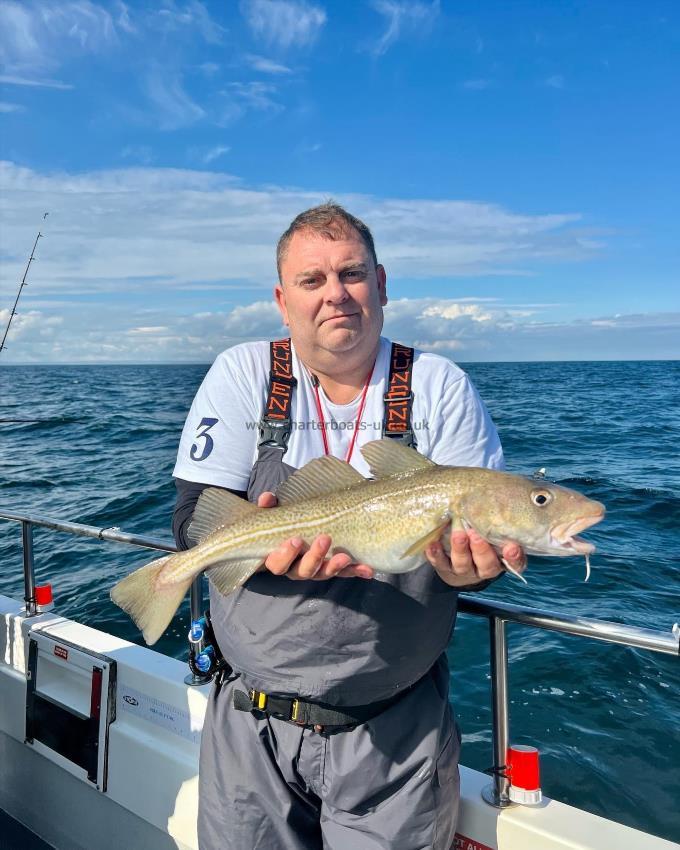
(258, 699)
(294, 712)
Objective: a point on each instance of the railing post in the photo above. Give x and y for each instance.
(196, 598)
(497, 793)
(196, 677)
(29, 574)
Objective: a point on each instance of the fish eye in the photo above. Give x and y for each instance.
(541, 497)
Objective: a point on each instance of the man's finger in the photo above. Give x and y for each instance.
(461, 556)
(313, 558)
(436, 555)
(279, 561)
(267, 500)
(333, 566)
(486, 560)
(356, 571)
(515, 556)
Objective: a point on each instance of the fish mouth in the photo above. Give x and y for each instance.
(564, 533)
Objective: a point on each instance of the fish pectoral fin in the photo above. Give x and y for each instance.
(216, 508)
(432, 536)
(228, 576)
(387, 457)
(319, 477)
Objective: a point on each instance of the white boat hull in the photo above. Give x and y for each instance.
(144, 794)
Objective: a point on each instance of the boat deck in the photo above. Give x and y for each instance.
(15, 836)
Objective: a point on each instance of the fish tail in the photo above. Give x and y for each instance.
(150, 603)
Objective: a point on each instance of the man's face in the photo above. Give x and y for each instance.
(332, 294)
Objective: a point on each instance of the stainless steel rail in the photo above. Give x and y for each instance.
(498, 614)
(109, 533)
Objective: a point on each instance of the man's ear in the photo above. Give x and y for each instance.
(381, 275)
(280, 298)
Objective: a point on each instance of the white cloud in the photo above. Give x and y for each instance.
(80, 332)
(496, 332)
(256, 95)
(149, 229)
(13, 80)
(476, 85)
(436, 322)
(215, 153)
(193, 17)
(256, 321)
(28, 327)
(161, 329)
(37, 36)
(11, 107)
(284, 23)
(402, 16)
(438, 238)
(439, 345)
(305, 148)
(453, 311)
(554, 82)
(639, 321)
(239, 98)
(182, 241)
(138, 153)
(209, 68)
(266, 66)
(174, 107)
(124, 21)
(179, 239)
(90, 335)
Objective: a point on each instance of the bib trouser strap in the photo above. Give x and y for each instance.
(276, 424)
(399, 397)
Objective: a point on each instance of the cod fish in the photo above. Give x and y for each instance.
(387, 523)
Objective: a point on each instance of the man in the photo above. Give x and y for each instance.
(375, 766)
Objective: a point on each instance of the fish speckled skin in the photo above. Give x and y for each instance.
(386, 523)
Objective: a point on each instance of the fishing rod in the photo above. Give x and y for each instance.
(23, 283)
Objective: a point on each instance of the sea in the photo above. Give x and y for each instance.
(99, 448)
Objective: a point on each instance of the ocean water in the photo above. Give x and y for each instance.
(607, 719)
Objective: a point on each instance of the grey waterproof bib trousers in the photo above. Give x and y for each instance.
(390, 783)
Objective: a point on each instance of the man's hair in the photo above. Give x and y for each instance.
(329, 220)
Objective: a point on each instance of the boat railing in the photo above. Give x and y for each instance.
(497, 613)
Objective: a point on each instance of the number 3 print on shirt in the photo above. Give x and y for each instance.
(201, 452)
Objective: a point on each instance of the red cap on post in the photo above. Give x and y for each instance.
(523, 772)
(43, 594)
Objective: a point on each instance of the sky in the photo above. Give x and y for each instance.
(516, 162)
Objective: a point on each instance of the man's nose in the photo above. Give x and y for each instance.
(336, 291)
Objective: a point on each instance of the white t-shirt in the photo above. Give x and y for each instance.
(219, 442)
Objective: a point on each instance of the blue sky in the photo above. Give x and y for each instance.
(517, 163)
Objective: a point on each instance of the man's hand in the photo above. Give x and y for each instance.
(297, 561)
(472, 559)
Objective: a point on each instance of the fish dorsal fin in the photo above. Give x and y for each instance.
(386, 457)
(319, 477)
(216, 508)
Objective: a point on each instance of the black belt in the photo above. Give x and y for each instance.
(305, 713)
